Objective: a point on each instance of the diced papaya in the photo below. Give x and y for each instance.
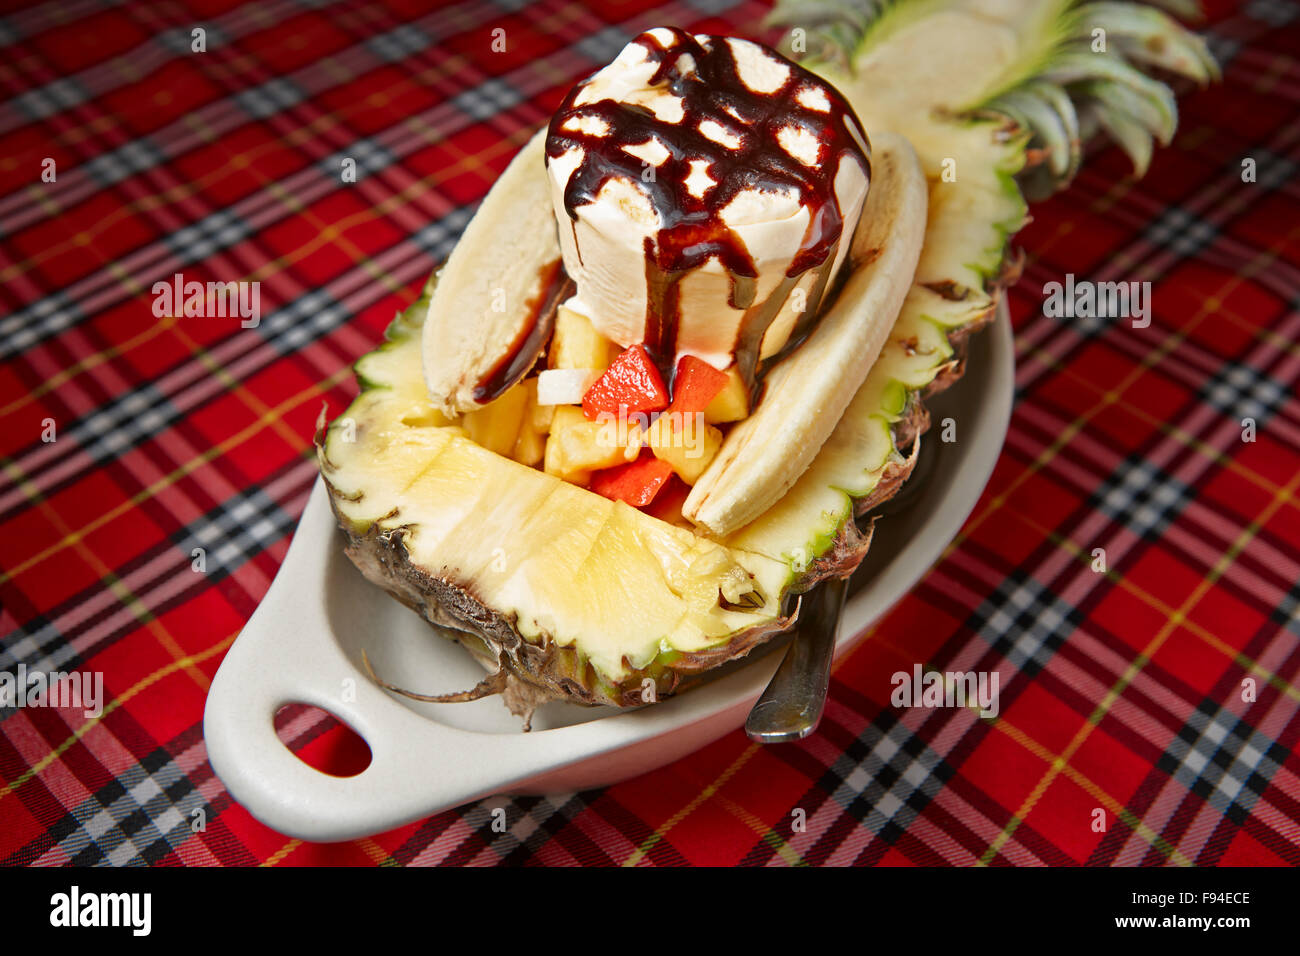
(635, 483)
(667, 504)
(695, 385)
(630, 385)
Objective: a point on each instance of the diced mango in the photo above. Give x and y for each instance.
(577, 447)
(685, 442)
(530, 447)
(540, 417)
(496, 426)
(575, 343)
(530, 444)
(732, 403)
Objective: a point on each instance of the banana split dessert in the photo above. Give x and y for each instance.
(583, 448)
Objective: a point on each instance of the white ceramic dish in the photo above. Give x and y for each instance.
(304, 644)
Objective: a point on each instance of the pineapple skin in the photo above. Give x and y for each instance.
(535, 671)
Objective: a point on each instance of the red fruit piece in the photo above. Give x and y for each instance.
(667, 505)
(635, 483)
(697, 383)
(631, 384)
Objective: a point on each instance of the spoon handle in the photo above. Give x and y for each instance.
(792, 704)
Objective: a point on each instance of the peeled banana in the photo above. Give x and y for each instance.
(490, 314)
(807, 392)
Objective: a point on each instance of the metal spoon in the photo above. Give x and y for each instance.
(791, 706)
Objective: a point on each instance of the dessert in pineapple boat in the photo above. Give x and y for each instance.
(682, 346)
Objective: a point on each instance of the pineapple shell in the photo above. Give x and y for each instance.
(409, 534)
(426, 513)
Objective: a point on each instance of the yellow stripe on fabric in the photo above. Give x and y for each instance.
(661, 831)
(1117, 809)
(117, 701)
(1242, 660)
(1172, 622)
(1149, 361)
(245, 159)
(172, 477)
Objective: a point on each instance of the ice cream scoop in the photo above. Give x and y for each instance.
(705, 189)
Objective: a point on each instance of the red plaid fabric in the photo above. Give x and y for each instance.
(1124, 693)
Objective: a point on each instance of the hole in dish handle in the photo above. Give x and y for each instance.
(264, 775)
(322, 740)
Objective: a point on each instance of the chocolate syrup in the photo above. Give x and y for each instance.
(692, 230)
(533, 335)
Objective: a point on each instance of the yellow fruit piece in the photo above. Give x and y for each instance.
(732, 403)
(496, 426)
(530, 444)
(686, 442)
(577, 447)
(530, 447)
(575, 343)
(540, 416)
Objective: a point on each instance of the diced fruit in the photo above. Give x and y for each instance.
(695, 385)
(496, 426)
(635, 483)
(565, 386)
(540, 416)
(732, 403)
(592, 596)
(575, 343)
(529, 448)
(530, 445)
(631, 384)
(491, 425)
(686, 442)
(667, 505)
(577, 447)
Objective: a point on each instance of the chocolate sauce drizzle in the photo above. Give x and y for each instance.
(692, 229)
(554, 285)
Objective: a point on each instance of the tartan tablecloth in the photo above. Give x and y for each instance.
(1127, 732)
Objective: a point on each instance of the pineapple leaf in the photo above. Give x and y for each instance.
(1048, 111)
(1147, 36)
(831, 31)
(1149, 101)
(1131, 136)
(1069, 69)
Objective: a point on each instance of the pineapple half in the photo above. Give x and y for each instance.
(566, 595)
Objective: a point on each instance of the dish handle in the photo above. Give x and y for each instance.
(278, 659)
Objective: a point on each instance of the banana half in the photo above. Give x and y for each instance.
(808, 391)
(490, 314)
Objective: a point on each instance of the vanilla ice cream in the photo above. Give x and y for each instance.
(706, 190)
